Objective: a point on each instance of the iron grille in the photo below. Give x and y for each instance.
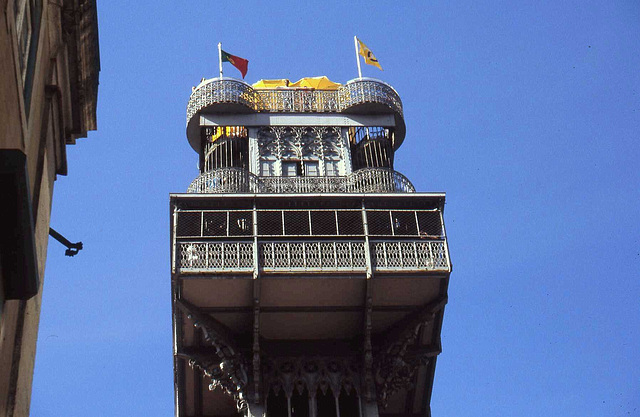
(270, 223)
(189, 224)
(430, 223)
(323, 223)
(350, 223)
(296, 223)
(214, 224)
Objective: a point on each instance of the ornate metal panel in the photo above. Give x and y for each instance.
(355, 92)
(408, 255)
(312, 256)
(237, 180)
(215, 256)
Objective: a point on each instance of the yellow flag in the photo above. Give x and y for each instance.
(369, 57)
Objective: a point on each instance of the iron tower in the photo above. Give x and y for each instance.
(309, 278)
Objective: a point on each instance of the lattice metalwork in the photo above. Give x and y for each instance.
(221, 91)
(296, 223)
(270, 223)
(379, 180)
(215, 256)
(349, 222)
(238, 180)
(189, 224)
(323, 223)
(232, 91)
(430, 223)
(214, 223)
(399, 255)
(226, 180)
(345, 222)
(312, 256)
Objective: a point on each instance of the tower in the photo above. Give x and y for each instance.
(309, 278)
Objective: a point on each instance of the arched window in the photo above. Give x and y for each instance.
(349, 403)
(326, 403)
(277, 403)
(300, 403)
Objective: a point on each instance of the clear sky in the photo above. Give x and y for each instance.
(527, 113)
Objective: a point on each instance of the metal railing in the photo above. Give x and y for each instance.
(225, 180)
(399, 255)
(238, 180)
(355, 92)
(312, 256)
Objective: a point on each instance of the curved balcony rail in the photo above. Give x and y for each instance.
(225, 180)
(238, 180)
(355, 92)
(368, 90)
(218, 91)
(312, 256)
(379, 180)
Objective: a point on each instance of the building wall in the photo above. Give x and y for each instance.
(61, 108)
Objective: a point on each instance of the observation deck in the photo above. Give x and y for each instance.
(227, 95)
(238, 180)
(309, 277)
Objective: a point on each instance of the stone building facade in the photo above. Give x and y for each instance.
(49, 65)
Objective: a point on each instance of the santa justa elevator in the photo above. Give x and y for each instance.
(309, 277)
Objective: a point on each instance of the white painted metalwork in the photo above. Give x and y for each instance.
(355, 92)
(403, 255)
(225, 180)
(215, 256)
(312, 256)
(238, 180)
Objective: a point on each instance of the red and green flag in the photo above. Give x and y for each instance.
(236, 61)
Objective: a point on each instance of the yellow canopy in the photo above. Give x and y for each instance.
(271, 83)
(319, 83)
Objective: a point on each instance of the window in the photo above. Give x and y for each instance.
(311, 169)
(332, 168)
(291, 168)
(267, 168)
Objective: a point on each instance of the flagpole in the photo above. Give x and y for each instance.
(220, 57)
(355, 43)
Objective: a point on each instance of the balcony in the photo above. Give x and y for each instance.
(228, 95)
(313, 256)
(309, 240)
(238, 180)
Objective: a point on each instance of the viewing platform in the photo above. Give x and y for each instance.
(358, 96)
(239, 180)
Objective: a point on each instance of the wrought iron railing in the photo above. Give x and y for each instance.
(238, 180)
(422, 254)
(217, 91)
(312, 256)
(367, 90)
(215, 256)
(355, 92)
(225, 180)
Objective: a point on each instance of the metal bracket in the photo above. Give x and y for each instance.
(72, 248)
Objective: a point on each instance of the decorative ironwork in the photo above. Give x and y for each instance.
(215, 256)
(394, 255)
(229, 372)
(394, 366)
(216, 91)
(367, 90)
(238, 180)
(313, 256)
(317, 373)
(355, 92)
(226, 180)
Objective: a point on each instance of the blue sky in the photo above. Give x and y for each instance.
(526, 113)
